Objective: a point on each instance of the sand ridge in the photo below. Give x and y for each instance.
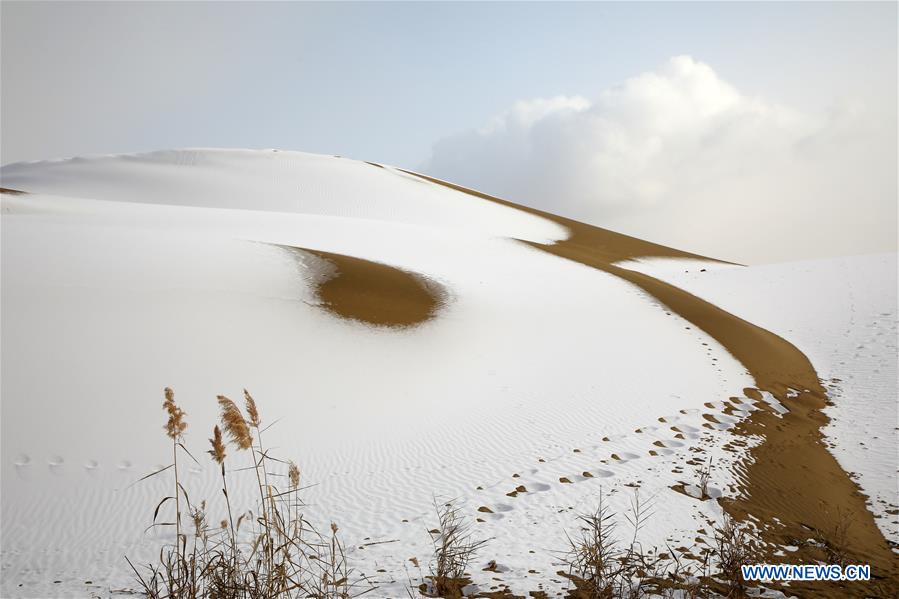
(792, 476)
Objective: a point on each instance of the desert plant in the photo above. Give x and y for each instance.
(686, 581)
(593, 556)
(603, 565)
(454, 548)
(703, 476)
(735, 545)
(835, 540)
(414, 590)
(330, 576)
(281, 557)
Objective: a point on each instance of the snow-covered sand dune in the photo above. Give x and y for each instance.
(208, 271)
(842, 313)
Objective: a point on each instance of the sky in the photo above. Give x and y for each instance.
(754, 132)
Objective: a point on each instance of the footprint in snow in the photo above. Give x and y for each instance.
(486, 512)
(624, 456)
(721, 426)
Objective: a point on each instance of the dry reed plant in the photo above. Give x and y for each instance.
(835, 542)
(593, 556)
(455, 546)
(603, 566)
(703, 476)
(277, 555)
(735, 545)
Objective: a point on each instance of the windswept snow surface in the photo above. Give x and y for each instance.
(309, 184)
(842, 313)
(122, 275)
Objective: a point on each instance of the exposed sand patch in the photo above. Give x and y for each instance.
(371, 292)
(793, 484)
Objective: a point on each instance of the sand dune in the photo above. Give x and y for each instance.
(413, 338)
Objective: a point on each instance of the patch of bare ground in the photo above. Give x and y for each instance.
(14, 192)
(371, 292)
(792, 484)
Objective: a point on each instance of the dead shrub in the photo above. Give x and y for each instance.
(835, 540)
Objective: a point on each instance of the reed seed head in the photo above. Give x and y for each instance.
(293, 473)
(176, 424)
(252, 412)
(198, 516)
(218, 446)
(234, 423)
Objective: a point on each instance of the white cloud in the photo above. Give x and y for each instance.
(682, 157)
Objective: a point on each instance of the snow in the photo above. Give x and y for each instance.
(842, 313)
(278, 181)
(125, 274)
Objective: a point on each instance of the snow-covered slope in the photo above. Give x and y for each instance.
(842, 313)
(276, 181)
(122, 275)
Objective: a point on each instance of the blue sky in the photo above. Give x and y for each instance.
(389, 82)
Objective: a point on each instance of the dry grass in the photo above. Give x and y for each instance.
(703, 476)
(455, 546)
(277, 554)
(604, 565)
(593, 556)
(835, 541)
(735, 545)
